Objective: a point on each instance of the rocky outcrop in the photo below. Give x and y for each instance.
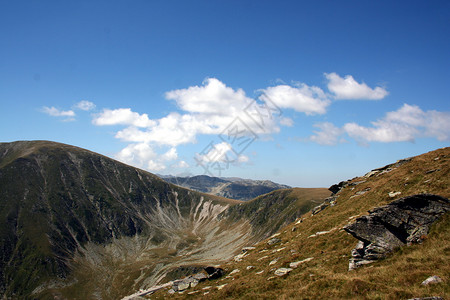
(403, 221)
(209, 273)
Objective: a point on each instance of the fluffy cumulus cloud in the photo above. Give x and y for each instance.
(403, 125)
(85, 105)
(208, 109)
(212, 98)
(141, 155)
(349, 88)
(122, 116)
(305, 99)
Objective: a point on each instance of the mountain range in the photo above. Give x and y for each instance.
(233, 187)
(79, 225)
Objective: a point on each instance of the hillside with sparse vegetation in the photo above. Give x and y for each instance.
(317, 249)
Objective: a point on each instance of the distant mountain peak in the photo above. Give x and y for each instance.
(229, 187)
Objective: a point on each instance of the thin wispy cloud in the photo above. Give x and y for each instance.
(85, 105)
(66, 115)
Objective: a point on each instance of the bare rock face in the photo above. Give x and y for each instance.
(404, 221)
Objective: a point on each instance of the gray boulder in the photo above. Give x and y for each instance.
(403, 221)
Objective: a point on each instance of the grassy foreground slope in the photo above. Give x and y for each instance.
(322, 238)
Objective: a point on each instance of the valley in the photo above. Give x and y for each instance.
(79, 225)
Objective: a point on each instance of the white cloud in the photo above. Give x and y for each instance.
(243, 158)
(213, 97)
(85, 105)
(382, 131)
(217, 153)
(403, 125)
(349, 88)
(438, 125)
(328, 135)
(287, 122)
(122, 116)
(170, 155)
(54, 112)
(309, 100)
(182, 164)
(140, 155)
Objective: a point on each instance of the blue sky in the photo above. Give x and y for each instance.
(305, 93)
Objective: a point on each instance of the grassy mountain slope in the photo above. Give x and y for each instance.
(278, 203)
(321, 238)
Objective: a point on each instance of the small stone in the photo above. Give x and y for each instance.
(260, 272)
(219, 287)
(234, 271)
(393, 194)
(239, 257)
(318, 208)
(273, 262)
(171, 291)
(246, 249)
(320, 233)
(432, 280)
(371, 173)
(193, 292)
(182, 286)
(261, 258)
(282, 271)
(250, 267)
(294, 265)
(273, 241)
(270, 278)
(293, 229)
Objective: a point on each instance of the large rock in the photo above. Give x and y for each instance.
(403, 221)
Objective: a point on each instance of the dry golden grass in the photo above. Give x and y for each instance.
(326, 276)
